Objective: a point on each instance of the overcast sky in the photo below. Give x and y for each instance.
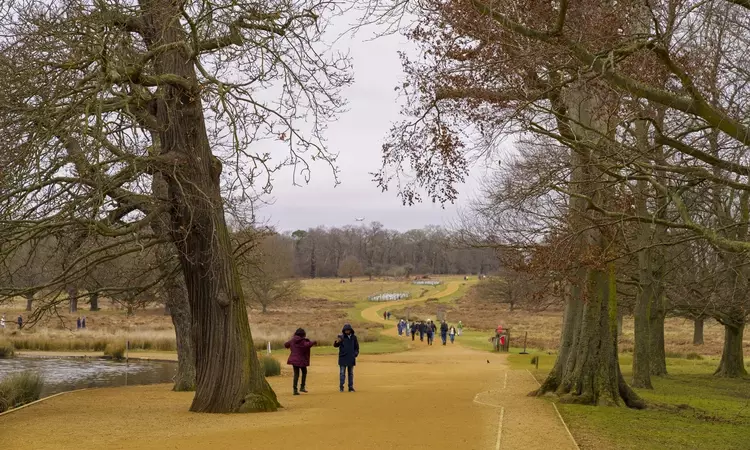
(357, 137)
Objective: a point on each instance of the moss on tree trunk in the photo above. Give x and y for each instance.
(732, 364)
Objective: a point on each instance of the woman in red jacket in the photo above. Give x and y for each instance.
(299, 357)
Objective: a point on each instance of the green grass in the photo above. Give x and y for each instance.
(384, 345)
(19, 388)
(360, 289)
(688, 409)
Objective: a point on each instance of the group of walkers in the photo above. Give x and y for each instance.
(299, 357)
(429, 329)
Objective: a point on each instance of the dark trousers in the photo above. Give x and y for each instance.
(444, 337)
(413, 333)
(342, 376)
(297, 370)
(421, 336)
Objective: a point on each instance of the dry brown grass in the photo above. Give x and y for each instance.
(544, 327)
(151, 329)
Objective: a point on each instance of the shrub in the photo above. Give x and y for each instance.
(20, 388)
(674, 355)
(115, 351)
(694, 355)
(271, 366)
(6, 350)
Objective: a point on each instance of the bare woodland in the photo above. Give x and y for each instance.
(629, 180)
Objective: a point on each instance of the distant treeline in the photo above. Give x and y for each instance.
(319, 252)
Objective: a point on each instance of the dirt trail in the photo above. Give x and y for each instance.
(431, 397)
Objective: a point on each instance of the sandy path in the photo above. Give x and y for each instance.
(432, 397)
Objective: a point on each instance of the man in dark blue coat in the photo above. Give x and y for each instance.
(348, 351)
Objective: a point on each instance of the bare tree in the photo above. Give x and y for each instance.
(98, 98)
(350, 267)
(267, 269)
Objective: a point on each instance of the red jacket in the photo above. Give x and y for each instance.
(300, 347)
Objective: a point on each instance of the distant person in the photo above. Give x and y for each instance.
(400, 328)
(348, 352)
(385, 315)
(78, 323)
(433, 326)
(422, 330)
(452, 333)
(83, 322)
(19, 321)
(299, 357)
(460, 327)
(444, 332)
(430, 332)
(413, 330)
(2, 322)
(389, 315)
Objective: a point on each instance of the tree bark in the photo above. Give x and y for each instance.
(228, 373)
(698, 331)
(642, 346)
(732, 364)
(72, 299)
(658, 357)
(176, 297)
(29, 301)
(94, 301)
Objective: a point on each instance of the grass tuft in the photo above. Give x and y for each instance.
(694, 356)
(115, 350)
(271, 366)
(6, 349)
(20, 388)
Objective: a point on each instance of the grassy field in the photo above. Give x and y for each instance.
(688, 409)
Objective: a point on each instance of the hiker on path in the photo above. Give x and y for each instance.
(348, 347)
(422, 330)
(452, 333)
(385, 315)
(299, 357)
(400, 327)
(444, 332)
(460, 327)
(19, 321)
(389, 315)
(413, 330)
(83, 322)
(78, 323)
(430, 332)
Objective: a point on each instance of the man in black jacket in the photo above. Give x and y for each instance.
(444, 331)
(348, 351)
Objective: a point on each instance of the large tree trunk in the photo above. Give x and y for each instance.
(588, 371)
(732, 362)
(29, 301)
(94, 301)
(228, 373)
(72, 299)
(658, 357)
(698, 331)
(176, 296)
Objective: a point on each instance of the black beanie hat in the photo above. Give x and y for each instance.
(300, 332)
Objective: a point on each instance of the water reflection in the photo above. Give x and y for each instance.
(68, 374)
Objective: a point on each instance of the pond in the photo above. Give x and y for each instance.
(66, 374)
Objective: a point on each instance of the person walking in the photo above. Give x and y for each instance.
(389, 315)
(430, 332)
(385, 315)
(78, 323)
(422, 330)
(400, 326)
(299, 357)
(444, 331)
(83, 322)
(19, 321)
(460, 327)
(348, 347)
(413, 330)
(452, 333)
